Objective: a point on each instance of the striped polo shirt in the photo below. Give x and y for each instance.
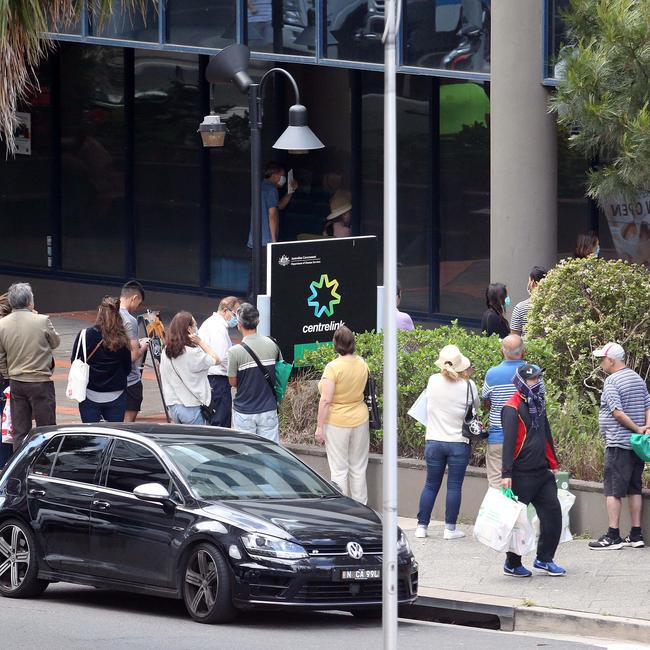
(519, 319)
(498, 388)
(623, 391)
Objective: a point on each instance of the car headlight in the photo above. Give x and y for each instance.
(403, 545)
(265, 547)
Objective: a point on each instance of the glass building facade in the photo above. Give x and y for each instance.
(118, 185)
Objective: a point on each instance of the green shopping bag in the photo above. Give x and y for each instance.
(641, 445)
(282, 374)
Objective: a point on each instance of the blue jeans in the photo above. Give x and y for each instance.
(186, 414)
(109, 412)
(262, 424)
(6, 451)
(440, 455)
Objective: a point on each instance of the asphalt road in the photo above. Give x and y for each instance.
(72, 617)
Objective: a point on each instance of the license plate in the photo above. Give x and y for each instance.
(360, 574)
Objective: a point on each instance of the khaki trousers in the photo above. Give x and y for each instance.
(493, 464)
(347, 455)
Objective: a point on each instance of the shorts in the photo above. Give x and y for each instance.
(134, 397)
(623, 471)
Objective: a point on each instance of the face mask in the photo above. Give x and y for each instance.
(597, 253)
(232, 322)
(283, 181)
(529, 289)
(507, 301)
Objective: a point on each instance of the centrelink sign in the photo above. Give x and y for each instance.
(318, 285)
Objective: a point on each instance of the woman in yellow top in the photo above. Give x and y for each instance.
(343, 417)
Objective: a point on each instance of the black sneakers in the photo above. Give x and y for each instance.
(605, 542)
(634, 541)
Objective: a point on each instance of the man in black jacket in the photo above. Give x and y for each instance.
(528, 458)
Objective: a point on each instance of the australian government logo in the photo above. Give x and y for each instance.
(284, 260)
(324, 298)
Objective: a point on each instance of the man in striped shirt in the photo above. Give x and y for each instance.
(624, 410)
(497, 390)
(519, 318)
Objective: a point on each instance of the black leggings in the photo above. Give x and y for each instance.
(540, 489)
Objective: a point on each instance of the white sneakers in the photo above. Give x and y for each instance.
(421, 532)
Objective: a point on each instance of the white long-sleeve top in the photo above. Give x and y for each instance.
(214, 331)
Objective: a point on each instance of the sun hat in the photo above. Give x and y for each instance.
(611, 351)
(340, 203)
(450, 358)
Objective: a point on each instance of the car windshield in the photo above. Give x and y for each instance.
(246, 469)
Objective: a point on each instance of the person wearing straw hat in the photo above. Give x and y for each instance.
(337, 223)
(446, 447)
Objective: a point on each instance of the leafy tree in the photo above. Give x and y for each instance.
(23, 45)
(603, 95)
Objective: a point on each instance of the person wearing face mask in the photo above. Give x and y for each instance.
(275, 178)
(494, 319)
(214, 331)
(520, 312)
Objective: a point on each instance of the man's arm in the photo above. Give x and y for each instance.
(4, 370)
(52, 335)
(510, 426)
(625, 421)
(274, 223)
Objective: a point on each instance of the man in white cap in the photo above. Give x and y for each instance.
(624, 410)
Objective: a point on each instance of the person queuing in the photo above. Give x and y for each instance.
(342, 422)
(528, 458)
(494, 319)
(184, 366)
(337, 222)
(519, 318)
(446, 447)
(404, 321)
(587, 245)
(624, 410)
(6, 448)
(255, 408)
(109, 357)
(214, 331)
(27, 340)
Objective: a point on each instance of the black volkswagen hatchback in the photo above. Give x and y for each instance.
(223, 520)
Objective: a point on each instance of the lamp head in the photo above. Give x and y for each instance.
(298, 137)
(231, 64)
(212, 131)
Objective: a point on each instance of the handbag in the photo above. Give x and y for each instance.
(473, 428)
(641, 445)
(370, 398)
(79, 372)
(207, 411)
(282, 373)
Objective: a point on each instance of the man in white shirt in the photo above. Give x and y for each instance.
(214, 331)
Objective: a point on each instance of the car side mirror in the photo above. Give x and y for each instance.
(152, 492)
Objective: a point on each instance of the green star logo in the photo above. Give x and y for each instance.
(326, 307)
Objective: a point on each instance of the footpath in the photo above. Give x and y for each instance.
(605, 594)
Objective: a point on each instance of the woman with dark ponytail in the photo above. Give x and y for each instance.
(494, 319)
(109, 358)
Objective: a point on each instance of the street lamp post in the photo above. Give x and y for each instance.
(231, 64)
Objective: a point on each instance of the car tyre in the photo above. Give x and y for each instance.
(207, 586)
(19, 561)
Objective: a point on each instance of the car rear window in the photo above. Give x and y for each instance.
(43, 464)
(79, 457)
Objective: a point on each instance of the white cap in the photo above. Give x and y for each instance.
(611, 351)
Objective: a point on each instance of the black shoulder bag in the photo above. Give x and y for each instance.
(473, 428)
(262, 368)
(370, 397)
(206, 410)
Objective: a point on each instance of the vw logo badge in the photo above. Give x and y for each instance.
(355, 550)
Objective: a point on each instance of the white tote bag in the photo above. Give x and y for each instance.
(522, 539)
(566, 500)
(7, 428)
(496, 520)
(79, 372)
(419, 409)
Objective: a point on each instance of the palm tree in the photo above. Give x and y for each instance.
(24, 44)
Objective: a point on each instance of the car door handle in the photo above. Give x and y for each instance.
(36, 493)
(101, 505)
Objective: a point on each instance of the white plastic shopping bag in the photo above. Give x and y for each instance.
(419, 409)
(496, 520)
(523, 539)
(79, 372)
(566, 500)
(6, 428)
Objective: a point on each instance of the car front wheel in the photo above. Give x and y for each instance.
(18, 561)
(207, 587)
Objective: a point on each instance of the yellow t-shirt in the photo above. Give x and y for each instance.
(349, 374)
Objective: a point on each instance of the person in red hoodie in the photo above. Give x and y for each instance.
(528, 463)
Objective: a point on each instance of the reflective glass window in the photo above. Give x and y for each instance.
(282, 26)
(128, 24)
(353, 30)
(45, 460)
(79, 457)
(133, 465)
(447, 34)
(202, 23)
(93, 142)
(555, 35)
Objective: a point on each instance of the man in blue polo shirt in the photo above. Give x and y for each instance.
(497, 390)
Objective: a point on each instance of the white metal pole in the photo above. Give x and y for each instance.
(390, 335)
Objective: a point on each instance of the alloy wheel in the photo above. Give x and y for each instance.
(201, 583)
(14, 557)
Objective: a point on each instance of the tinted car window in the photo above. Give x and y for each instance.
(132, 465)
(79, 457)
(43, 464)
(246, 469)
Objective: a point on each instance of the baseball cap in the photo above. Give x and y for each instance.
(529, 371)
(611, 351)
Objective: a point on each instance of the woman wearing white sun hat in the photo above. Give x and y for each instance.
(446, 448)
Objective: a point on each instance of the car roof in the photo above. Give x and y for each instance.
(163, 434)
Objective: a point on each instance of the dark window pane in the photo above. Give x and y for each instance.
(79, 457)
(555, 35)
(133, 465)
(464, 198)
(43, 464)
(167, 172)
(354, 29)
(131, 25)
(448, 34)
(93, 141)
(25, 181)
(202, 23)
(283, 26)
